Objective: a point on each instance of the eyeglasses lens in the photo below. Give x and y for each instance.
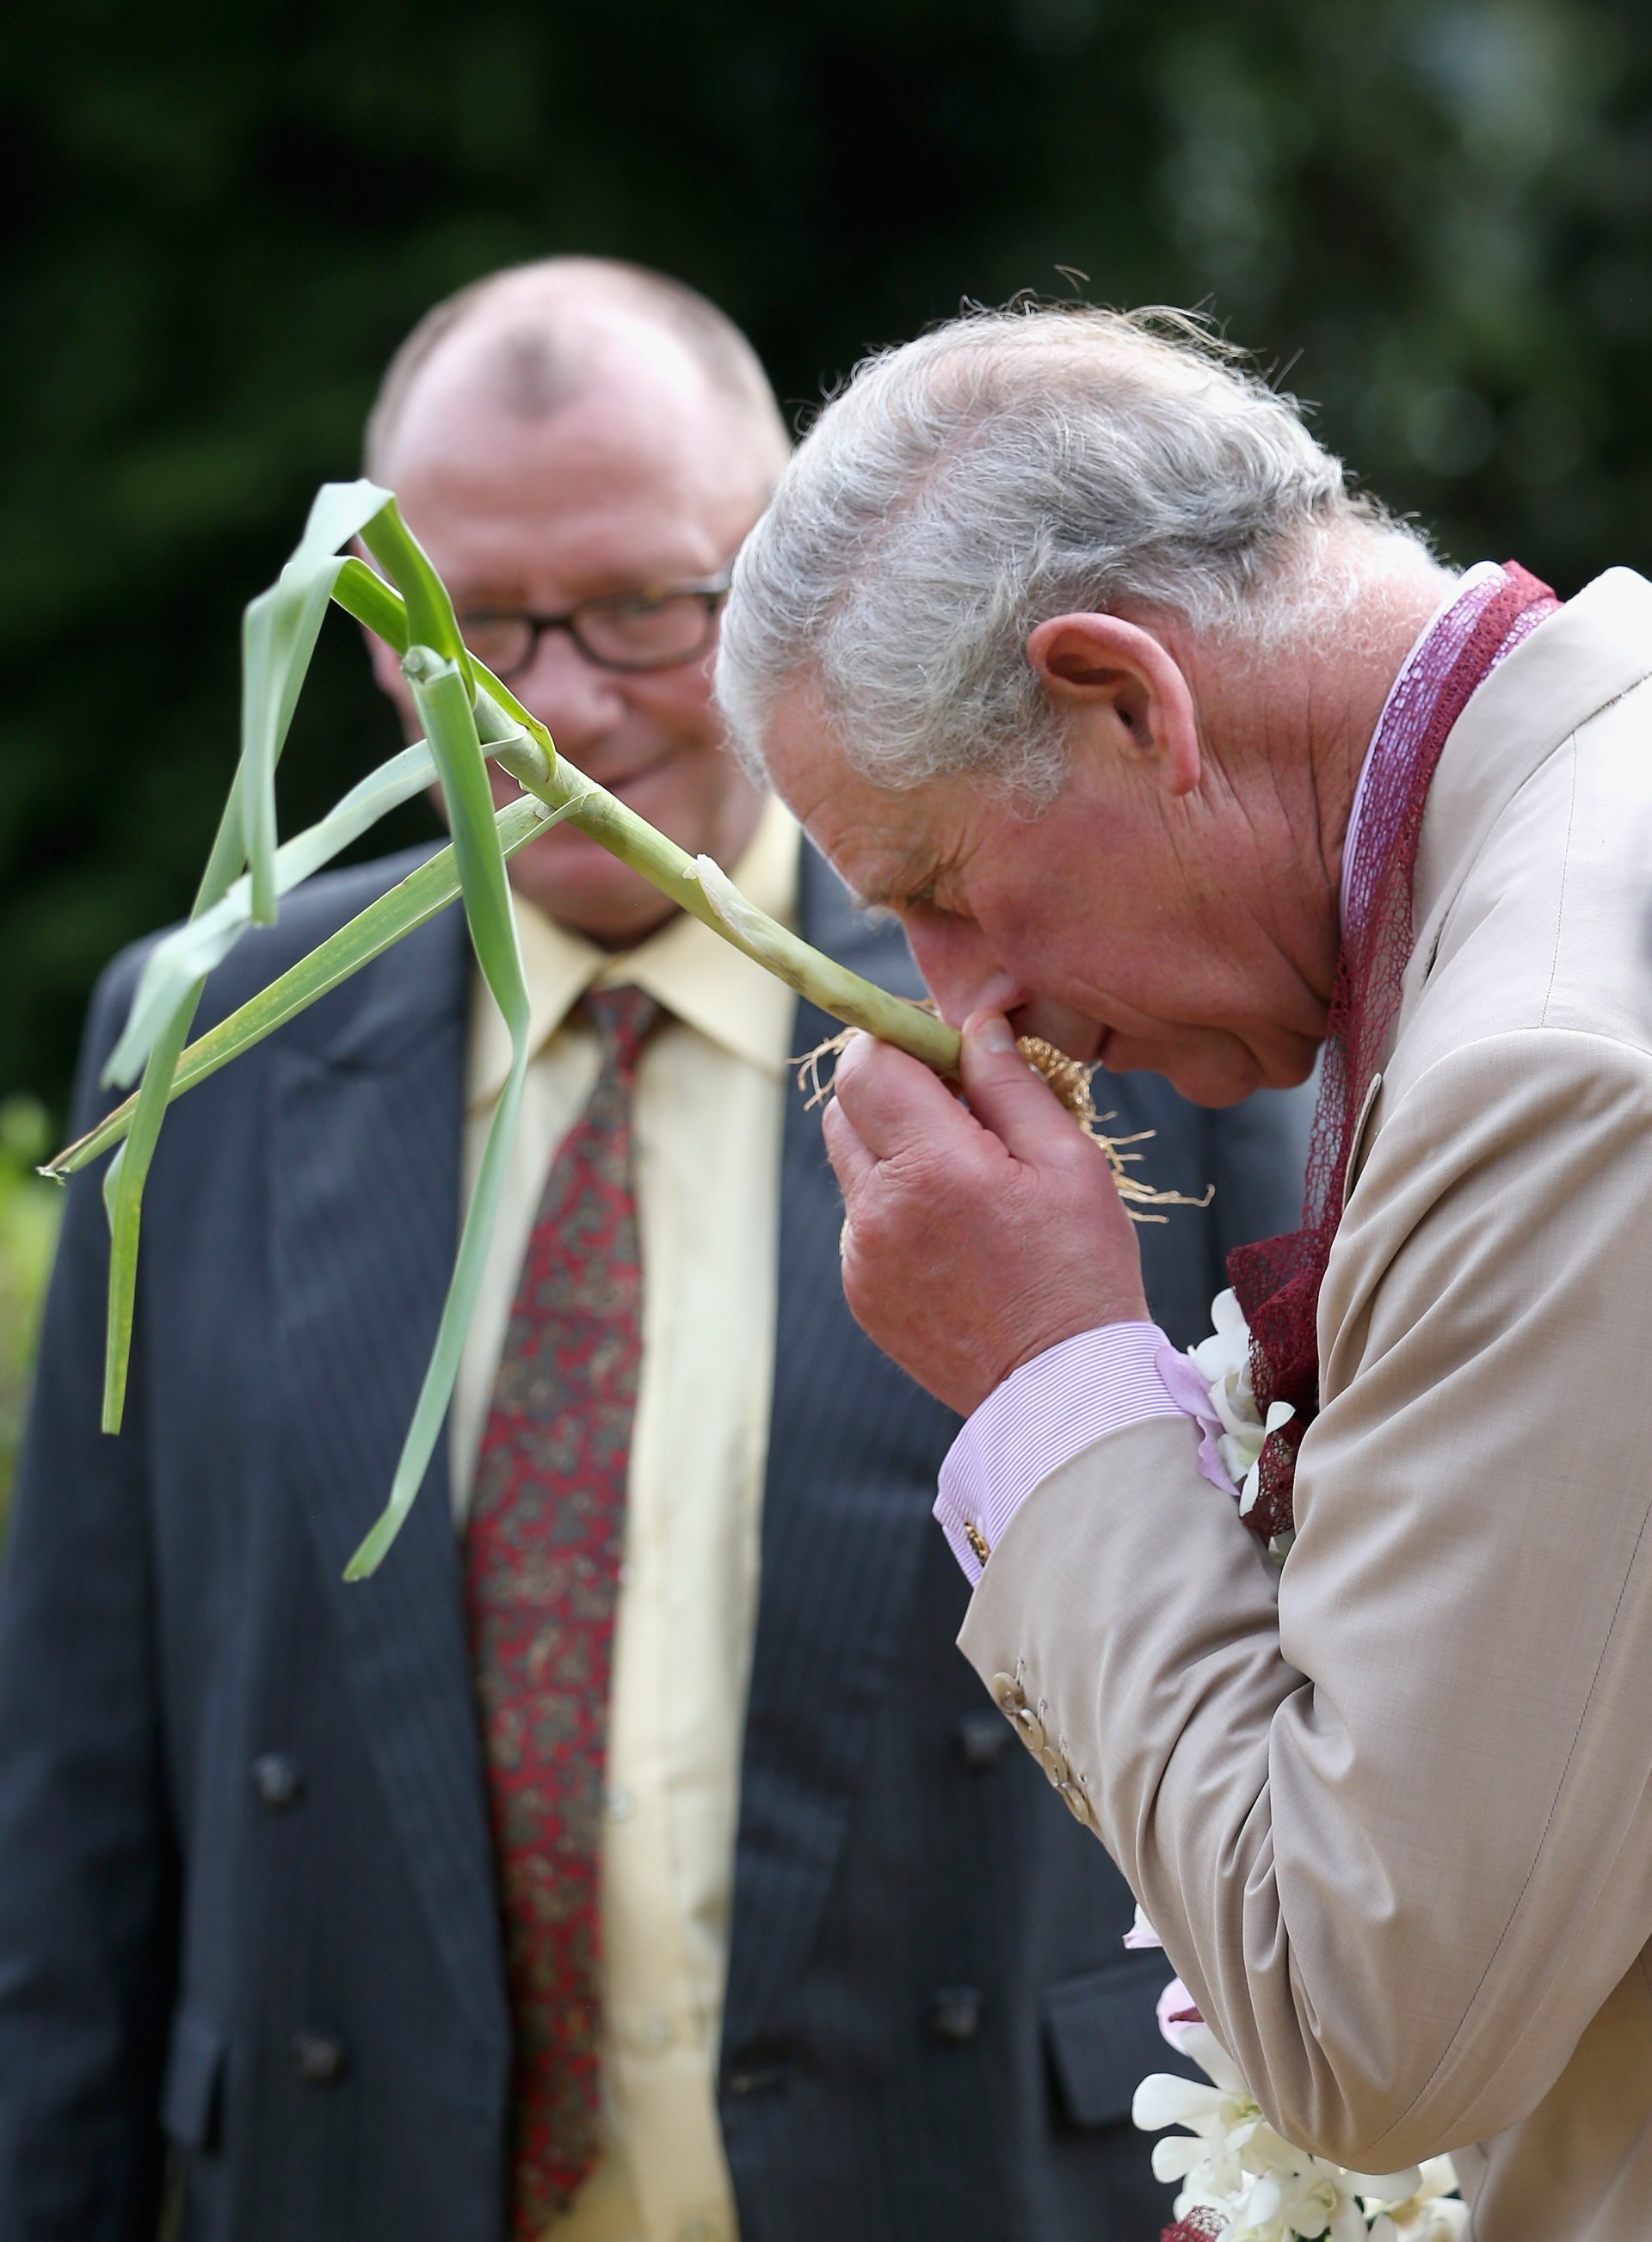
(503, 643)
(620, 634)
(645, 634)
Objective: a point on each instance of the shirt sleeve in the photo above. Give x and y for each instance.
(1042, 1416)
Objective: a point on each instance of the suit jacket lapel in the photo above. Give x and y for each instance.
(1594, 650)
(852, 1449)
(364, 1199)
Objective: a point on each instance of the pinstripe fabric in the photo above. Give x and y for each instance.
(380, 1273)
(172, 1611)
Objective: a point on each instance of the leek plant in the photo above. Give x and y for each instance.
(468, 717)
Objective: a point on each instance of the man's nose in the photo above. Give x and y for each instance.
(959, 969)
(578, 702)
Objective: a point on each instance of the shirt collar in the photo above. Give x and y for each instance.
(698, 975)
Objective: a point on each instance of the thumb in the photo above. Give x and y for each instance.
(1008, 1095)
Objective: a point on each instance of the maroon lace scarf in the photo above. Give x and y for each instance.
(1278, 1281)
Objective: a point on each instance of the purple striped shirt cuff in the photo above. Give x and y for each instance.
(1040, 1418)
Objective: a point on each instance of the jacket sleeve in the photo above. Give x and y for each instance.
(88, 1883)
(1391, 1811)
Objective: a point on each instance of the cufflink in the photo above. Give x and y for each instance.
(976, 1539)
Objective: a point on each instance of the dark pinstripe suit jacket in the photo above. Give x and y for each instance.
(246, 1903)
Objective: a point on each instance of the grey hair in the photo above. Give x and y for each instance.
(1012, 465)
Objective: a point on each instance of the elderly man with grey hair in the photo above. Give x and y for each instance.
(1069, 642)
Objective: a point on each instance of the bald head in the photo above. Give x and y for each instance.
(533, 338)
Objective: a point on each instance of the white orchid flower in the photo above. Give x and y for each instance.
(1212, 1382)
(1208, 2158)
(1429, 2212)
(1227, 1351)
(1311, 2202)
(1179, 2018)
(1228, 2140)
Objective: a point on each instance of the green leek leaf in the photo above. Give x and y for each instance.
(427, 889)
(278, 638)
(185, 957)
(443, 699)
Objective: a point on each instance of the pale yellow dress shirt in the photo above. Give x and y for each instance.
(711, 1092)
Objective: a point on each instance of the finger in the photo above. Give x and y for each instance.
(851, 1163)
(1009, 1096)
(894, 1101)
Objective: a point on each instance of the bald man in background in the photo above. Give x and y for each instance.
(297, 1905)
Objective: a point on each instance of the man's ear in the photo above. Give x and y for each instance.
(1101, 667)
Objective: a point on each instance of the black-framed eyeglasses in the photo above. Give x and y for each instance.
(626, 630)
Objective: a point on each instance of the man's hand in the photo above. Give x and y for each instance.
(973, 1240)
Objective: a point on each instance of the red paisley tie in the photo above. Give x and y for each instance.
(546, 1534)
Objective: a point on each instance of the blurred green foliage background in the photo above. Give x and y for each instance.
(1432, 217)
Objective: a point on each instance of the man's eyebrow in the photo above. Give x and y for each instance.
(904, 885)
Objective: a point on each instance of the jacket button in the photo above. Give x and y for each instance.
(983, 1739)
(1078, 1805)
(1006, 1693)
(1030, 1729)
(1055, 1766)
(278, 1780)
(957, 2012)
(317, 2057)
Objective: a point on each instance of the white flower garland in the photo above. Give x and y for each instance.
(1231, 2162)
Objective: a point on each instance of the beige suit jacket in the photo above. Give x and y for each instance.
(1392, 1810)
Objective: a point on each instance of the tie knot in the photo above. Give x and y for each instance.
(623, 1019)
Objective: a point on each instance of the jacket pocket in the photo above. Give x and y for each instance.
(189, 2096)
(1101, 2031)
